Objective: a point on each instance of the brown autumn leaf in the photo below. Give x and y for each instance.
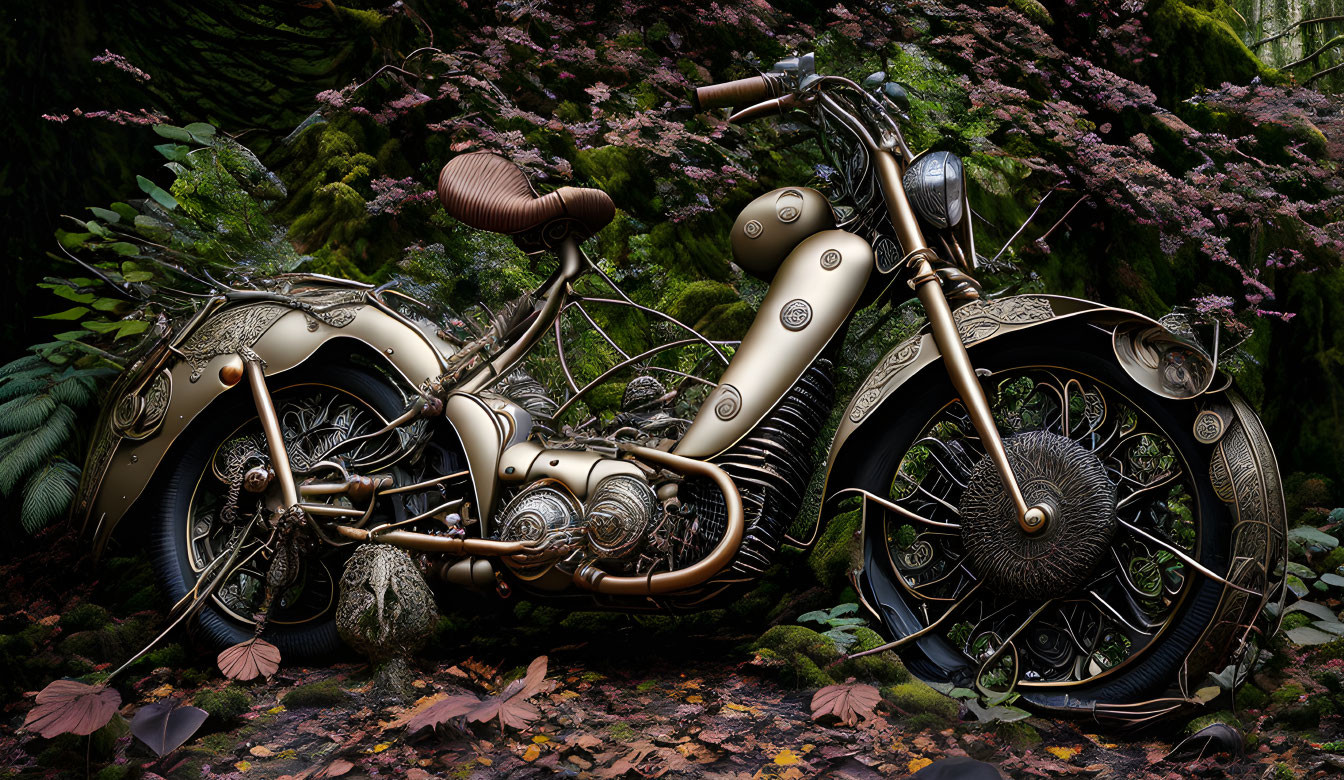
(849, 701)
(72, 707)
(336, 768)
(250, 659)
(442, 711)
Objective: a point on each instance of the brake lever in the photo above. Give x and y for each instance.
(765, 108)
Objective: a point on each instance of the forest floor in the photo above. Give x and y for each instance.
(628, 697)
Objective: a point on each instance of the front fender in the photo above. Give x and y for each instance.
(157, 400)
(1138, 342)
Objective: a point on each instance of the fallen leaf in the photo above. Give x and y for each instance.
(917, 764)
(243, 766)
(261, 751)
(337, 768)
(849, 701)
(1063, 753)
(72, 707)
(442, 711)
(532, 753)
(164, 726)
(250, 659)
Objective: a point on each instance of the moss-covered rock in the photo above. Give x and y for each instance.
(1204, 721)
(914, 697)
(804, 654)
(1251, 698)
(323, 693)
(837, 552)
(84, 617)
(225, 705)
(1018, 733)
(1181, 69)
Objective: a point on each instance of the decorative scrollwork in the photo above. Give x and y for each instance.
(796, 314)
(156, 400)
(871, 392)
(830, 259)
(727, 402)
(978, 320)
(228, 332)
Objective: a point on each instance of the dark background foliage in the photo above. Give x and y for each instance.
(1172, 174)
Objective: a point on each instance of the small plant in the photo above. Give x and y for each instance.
(840, 629)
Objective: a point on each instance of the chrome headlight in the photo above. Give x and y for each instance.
(935, 185)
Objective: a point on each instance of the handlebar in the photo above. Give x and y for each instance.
(736, 93)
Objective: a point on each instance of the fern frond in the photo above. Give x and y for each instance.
(74, 391)
(25, 363)
(23, 452)
(24, 385)
(48, 493)
(25, 412)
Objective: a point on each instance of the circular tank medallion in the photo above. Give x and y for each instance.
(796, 314)
(830, 259)
(789, 206)
(752, 229)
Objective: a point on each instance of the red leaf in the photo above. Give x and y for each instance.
(337, 768)
(246, 660)
(443, 711)
(535, 678)
(72, 707)
(164, 726)
(848, 701)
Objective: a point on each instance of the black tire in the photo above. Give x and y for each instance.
(168, 538)
(1084, 350)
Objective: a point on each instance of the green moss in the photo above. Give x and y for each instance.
(84, 617)
(224, 705)
(1251, 698)
(324, 693)
(1288, 693)
(914, 697)
(836, 552)
(113, 772)
(1204, 721)
(622, 731)
(1018, 733)
(804, 653)
(1183, 69)
(1033, 10)
(883, 668)
(1296, 620)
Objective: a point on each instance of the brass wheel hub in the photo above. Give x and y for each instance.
(1069, 488)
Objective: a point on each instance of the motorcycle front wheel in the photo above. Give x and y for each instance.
(1104, 606)
(318, 407)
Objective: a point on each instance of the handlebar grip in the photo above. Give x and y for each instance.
(733, 93)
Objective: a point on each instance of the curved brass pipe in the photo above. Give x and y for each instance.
(449, 544)
(590, 577)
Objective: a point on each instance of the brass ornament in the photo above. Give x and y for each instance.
(752, 229)
(830, 259)
(789, 206)
(727, 402)
(1209, 427)
(796, 314)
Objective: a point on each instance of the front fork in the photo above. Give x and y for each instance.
(928, 287)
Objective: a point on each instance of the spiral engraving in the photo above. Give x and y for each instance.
(617, 514)
(728, 403)
(1208, 427)
(753, 229)
(796, 314)
(789, 206)
(830, 259)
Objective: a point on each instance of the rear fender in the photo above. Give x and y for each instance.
(158, 399)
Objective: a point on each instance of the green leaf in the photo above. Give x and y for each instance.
(107, 215)
(1334, 580)
(72, 335)
(1292, 582)
(108, 304)
(156, 192)
(124, 248)
(72, 241)
(200, 131)
(132, 328)
(1301, 570)
(23, 452)
(69, 293)
(1306, 636)
(844, 609)
(172, 133)
(68, 314)
(1314, 537)
(97, 229)
(24, 364)
(815, 616)
(173, 152)
(126, 210)
(1318, 611)
(101, 326)
(48, 493)
(25, 412)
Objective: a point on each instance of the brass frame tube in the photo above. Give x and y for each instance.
(449, 544)
(270, 424)
(944, 328)
(592, 578)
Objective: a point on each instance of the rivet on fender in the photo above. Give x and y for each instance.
(1209, 427)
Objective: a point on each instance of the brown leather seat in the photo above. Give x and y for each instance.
(489, 192)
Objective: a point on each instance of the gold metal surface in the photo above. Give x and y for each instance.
(270, 425)
(285, 344)
(772, 356)
(231, 373)
(1163, 362)
(447, 544)
(592, 578)
(482, 440)
(770, 227)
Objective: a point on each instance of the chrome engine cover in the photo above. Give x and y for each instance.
(618, 514)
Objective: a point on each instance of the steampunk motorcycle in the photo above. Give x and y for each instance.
(1054, 497)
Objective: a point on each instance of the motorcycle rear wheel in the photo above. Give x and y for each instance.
(188, 530)
(1109, 612)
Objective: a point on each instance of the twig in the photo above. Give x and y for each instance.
(1320, 73)
(1075, 205)
(1023, 227)
(1294, 26)
(1335, 41)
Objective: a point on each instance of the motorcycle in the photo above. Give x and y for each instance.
(1055, 498)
